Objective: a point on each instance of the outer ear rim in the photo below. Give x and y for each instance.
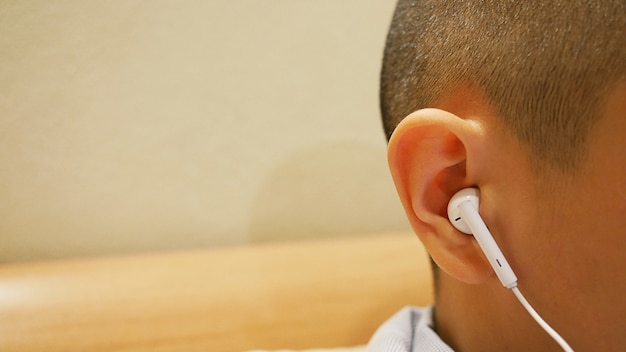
(418, 154)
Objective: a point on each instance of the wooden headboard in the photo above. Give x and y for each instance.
(304, 294)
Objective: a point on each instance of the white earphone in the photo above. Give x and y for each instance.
(464, 216)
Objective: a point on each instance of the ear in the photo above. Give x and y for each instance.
(432, 154)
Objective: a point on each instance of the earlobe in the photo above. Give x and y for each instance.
(431, 156)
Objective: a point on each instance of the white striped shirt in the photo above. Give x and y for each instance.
(409, 330)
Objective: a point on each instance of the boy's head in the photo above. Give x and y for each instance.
(543, 66)
(527, 102)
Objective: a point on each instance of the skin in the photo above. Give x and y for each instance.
(564, 235)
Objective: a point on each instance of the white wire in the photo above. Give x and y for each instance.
(533, 313)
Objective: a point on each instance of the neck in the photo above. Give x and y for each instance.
(485, 317)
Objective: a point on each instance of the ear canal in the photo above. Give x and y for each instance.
(454, 212)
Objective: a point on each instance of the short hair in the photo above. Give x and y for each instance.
(544, 67)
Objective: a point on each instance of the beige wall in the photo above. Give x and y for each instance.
(148, 125)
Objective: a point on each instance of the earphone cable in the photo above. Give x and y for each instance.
(545, 326)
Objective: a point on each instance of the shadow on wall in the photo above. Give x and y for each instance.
(332, 190)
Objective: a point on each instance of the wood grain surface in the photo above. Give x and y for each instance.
(295, 295)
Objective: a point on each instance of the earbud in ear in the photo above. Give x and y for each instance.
(454, 213)
(464, 216)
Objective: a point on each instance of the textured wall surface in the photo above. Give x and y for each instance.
(146, 125)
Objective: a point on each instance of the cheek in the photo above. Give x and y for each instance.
(604, 226)
(581, 243)
(600, 218)
(545, 240)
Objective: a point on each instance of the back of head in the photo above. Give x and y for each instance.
(544, 67)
